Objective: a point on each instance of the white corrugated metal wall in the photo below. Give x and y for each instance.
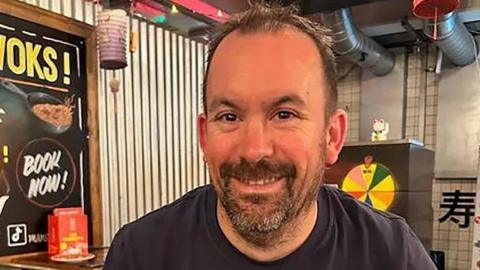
(148, 138)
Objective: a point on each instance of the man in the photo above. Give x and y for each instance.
(269, 128)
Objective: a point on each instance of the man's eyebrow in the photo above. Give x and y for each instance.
(293, 98)
(217, 102)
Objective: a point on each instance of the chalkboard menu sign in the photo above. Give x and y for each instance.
(43, 130)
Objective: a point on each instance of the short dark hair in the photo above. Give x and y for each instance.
(263, 17)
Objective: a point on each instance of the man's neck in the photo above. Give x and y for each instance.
(292, 238)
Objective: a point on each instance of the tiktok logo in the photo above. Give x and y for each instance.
(17, 235)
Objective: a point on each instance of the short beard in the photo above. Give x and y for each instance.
(259, 230)
(272, 226)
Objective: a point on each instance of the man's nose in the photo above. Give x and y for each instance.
(256, 143)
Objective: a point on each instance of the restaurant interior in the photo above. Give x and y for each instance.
(99, 102)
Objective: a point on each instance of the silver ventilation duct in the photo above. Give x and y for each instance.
(453, 39)
(356, 46)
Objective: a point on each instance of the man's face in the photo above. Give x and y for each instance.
(265, 136)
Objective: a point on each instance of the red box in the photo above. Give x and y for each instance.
(67, 232)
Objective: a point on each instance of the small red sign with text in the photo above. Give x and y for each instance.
(67, 232)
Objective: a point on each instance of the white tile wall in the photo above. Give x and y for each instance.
(447, 236)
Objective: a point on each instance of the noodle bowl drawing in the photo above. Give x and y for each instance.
(56, 114)
(52, 114)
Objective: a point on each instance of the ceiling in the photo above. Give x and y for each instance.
(186, 21)
(386, 21)
(307, 6)
(389, 22)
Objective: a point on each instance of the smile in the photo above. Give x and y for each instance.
(260, 185)
(260, 181)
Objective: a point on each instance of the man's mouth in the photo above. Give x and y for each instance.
(259, 182)
(259, 186)
(261, 177)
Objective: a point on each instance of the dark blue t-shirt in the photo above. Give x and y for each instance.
(347, 235)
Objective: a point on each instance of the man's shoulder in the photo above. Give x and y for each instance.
(349, 212)
(148, 242)
(361, 230)
(185, 211)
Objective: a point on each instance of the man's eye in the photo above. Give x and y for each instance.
(283, 115)
(229, 117)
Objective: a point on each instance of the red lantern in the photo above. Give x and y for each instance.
(430, 9)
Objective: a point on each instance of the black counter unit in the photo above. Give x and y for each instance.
(395, 176)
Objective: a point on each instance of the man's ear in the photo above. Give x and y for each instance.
(335, 135)
(202, 131)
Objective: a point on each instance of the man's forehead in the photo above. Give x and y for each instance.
(260, 67)
(266, 59)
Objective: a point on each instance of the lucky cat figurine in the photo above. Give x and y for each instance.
(380, 130)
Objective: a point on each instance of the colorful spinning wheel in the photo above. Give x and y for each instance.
(371, 183)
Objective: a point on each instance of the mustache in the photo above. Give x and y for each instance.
(261, 169)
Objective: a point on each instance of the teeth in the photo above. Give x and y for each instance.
(270, 180)
(259, 182)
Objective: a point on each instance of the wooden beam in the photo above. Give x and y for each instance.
(50, 19)
(93, 141)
